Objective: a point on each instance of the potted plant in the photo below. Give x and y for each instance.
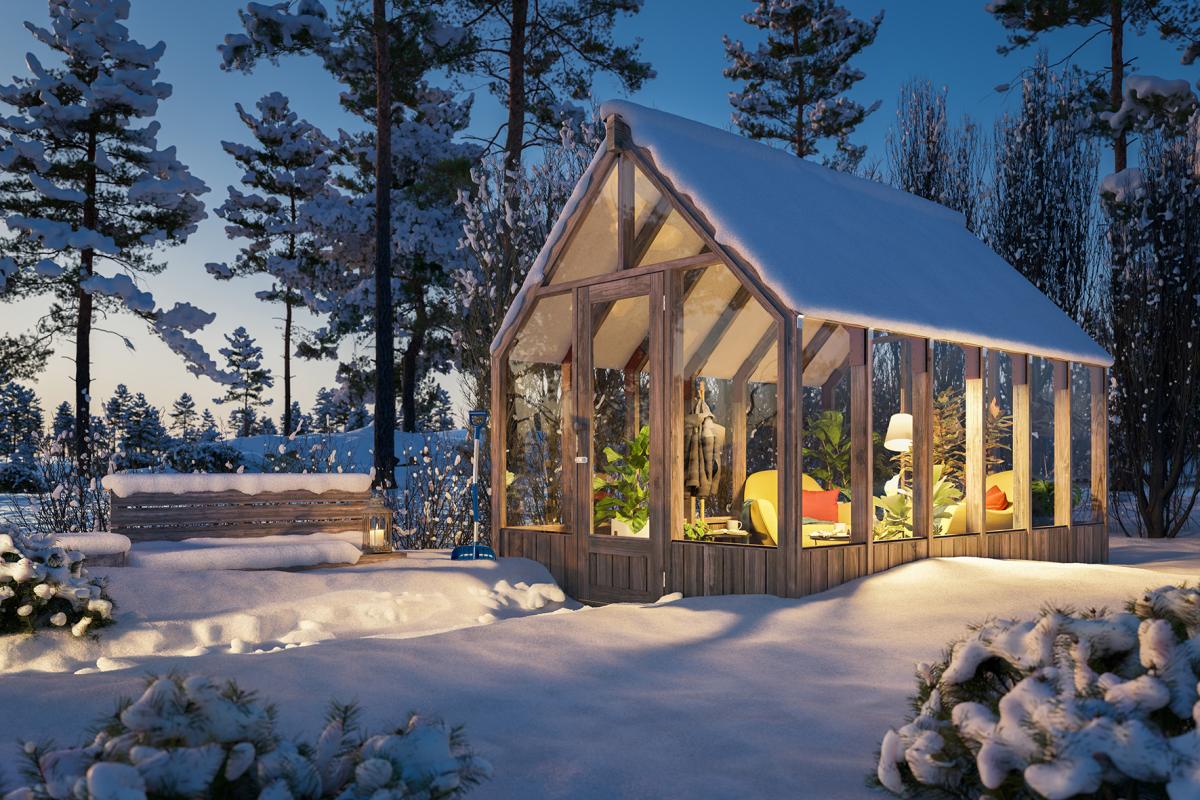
(897, 508)
(622, 492)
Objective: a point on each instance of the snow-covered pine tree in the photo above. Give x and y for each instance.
(243, 360)
(507, 220)
(84, 183)
(209, 430)
(287, 166)
(1041, 213)
(265, 426)
(145, 437)
(324, 411)
(116, 417)
(301, 422)
(185, 419)
(931, 158)
(434, 407)
(62, 428)
(21, 422)
(795, 83)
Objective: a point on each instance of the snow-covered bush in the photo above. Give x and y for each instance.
(43, 585)
(432, 506)
(66, 499)
(1098, 704)
(204, 456)
(187, 736)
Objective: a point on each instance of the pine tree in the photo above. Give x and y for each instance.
(795, 83)
(84, 182)
(185, 419)
(63, 426)
(21, 422)
(145, 438)
(1041, 215)
(209, 432)
(116, 416)
(324, 411)
(288, 167)
(266, 427)
(434, 407)
(301, 422)
(243, 359)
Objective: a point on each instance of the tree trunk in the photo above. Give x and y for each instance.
(288, 422)
(385, 389)
(1117, 79)
(798, 137)
(514, 134)
(408, 365)
(83, 324)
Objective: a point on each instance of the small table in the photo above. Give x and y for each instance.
(726, 535)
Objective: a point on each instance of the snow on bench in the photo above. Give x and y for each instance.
(101, 549)
(174, 507)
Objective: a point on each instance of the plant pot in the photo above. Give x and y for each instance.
(621, 528)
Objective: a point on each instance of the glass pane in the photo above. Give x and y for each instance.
(948, 499)
(1041, 391)
(728, 349)
(537, 361)
(892, 435)
(1084, 507)
(998, 442)
(660, 233)
(593, 249)
(825, 481)
(621, 391)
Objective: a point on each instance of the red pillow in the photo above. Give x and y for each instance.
(821, 505)
(996, 499)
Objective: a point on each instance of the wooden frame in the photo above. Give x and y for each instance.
(605, 568)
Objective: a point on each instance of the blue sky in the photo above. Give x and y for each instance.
(950, 42)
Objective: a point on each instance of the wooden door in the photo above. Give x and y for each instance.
(619, 476)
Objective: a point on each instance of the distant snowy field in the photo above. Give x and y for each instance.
(724, 697)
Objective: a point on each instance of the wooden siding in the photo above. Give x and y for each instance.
(698, 569)
(553, 550)
(828, 566)
(158, 516)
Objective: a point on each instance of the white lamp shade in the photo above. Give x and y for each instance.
(899, 436)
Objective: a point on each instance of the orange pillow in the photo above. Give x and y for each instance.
(821, 505)
(996, 499)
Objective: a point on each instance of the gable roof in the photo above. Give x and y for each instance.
(838, 247)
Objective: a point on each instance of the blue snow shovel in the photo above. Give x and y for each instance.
(475, 551)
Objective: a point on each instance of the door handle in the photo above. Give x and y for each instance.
(582, 445)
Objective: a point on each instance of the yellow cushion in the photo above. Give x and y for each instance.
(764, 518)
(994, 520)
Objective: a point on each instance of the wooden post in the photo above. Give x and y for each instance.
(673, 389)
(1099, 398)
(566, 505)
(625, 221)
(499, 444)
(1022, 438)
(583, 378)
(738, 439)
(789, 377)
(976, 468)
(862, 508)
(922, 446)
(661, 529)
(1062, 443)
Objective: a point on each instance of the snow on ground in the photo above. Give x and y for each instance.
(1180, 555)
(722, 697)
(252, 552)
(186, 614)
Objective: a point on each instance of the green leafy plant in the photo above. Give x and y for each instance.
(622, 492)
(897, 508)
(827, 450)
(1043, 498)
(696, 531)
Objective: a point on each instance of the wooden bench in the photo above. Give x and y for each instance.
(237, 505)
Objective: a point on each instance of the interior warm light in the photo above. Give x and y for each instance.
(899, 436)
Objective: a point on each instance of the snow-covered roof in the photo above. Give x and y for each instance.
(838, 247)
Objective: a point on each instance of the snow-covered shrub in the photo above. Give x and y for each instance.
(67, 500)
(204, 456)
(43, 585)
(433, 505)
(1098, 704)
(20, 477)
(187, 736)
